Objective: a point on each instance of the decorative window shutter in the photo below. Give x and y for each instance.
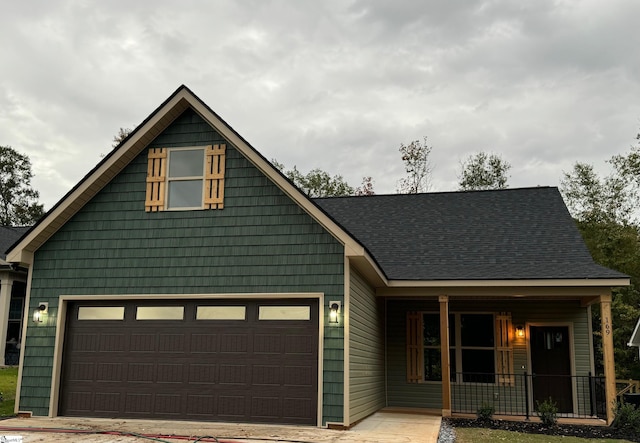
(414, 347)
(156, 179)
(214, 177)
(504, 349)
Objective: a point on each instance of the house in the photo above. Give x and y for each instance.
(12, 297)
(185, 277)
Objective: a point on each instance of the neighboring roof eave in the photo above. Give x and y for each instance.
(635, 337)
(22, 251)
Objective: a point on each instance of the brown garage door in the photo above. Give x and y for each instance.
(240, 361)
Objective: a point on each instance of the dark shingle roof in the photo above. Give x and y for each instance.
(502, 235)
(8, 236)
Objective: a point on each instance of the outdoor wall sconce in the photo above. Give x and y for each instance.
(38, 314)
(334, 311)
(520, 331)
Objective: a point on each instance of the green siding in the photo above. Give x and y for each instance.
(261, 242)
(429, 394)
(366, 350)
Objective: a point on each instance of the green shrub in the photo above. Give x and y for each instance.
(627, 417)
(548, 412)
(485, 412)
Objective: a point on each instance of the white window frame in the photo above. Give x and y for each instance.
(170, 179)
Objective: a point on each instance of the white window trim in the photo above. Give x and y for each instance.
(169, 179)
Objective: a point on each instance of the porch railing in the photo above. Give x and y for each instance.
(518, 394)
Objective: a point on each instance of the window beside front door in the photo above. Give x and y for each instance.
(479, 348)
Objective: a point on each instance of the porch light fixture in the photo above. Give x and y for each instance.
(334, 311)
(38, 314)
(520, 331)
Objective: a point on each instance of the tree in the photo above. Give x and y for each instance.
(415, 156)
(482, 171)
(605, 212)
(595, 199)
(317, 183)
(18, 200)
(366, 188)
(120, 136)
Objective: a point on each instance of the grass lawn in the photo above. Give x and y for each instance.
(481, 435)
(8, 382)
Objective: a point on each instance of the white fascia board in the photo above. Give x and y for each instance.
(613, 282)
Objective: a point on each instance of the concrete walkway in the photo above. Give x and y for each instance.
(381, 427)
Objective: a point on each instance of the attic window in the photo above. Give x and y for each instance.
(185, 178)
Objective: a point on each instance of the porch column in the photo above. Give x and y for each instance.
(5, 303)
(607, 355)
(444, 355)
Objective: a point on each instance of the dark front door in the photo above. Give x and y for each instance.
(551, 366)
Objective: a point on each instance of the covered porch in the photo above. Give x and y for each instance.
(506, 348)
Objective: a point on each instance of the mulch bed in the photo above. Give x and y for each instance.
(538, 428)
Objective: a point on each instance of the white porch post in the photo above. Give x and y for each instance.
(607, 354)
(5, 302)
(444, 355)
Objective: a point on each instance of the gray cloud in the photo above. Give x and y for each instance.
(337, 85)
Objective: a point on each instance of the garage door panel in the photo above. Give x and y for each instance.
(297, 408)
(246, 370)
(300, 376)
(266, 407)
(267, 343)
(168, 404)
(138, 403)
(171, 343)
(109, 372)
(82, 371)
(237, 375)
(300, 344)
(204, 343)
(267, 375)
(234, 343)
(107, 402)
(200, 374)
(144, 342)
(113, 342)
(84, 342)
(201, 405)
(232, 406)
(171, 373)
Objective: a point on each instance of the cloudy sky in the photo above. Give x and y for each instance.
(330, 84)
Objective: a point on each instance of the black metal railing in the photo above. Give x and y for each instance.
(518, 394)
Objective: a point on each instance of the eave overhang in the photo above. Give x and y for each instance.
(502, 288)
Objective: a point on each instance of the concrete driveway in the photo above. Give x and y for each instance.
(381, 427)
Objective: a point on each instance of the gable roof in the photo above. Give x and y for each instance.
(510, 234)
(183, 98)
